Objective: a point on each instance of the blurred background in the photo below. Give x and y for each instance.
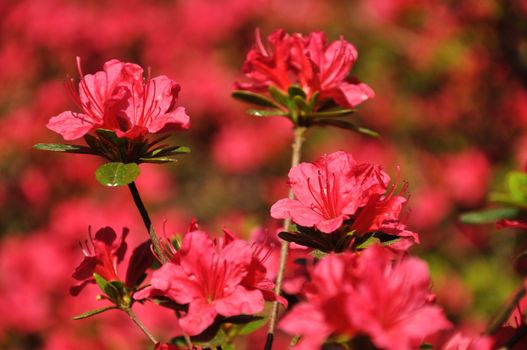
(451, 105)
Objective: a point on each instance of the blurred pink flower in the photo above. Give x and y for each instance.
(466, 174)
(329, 191)
(119, 99)
(367, 293)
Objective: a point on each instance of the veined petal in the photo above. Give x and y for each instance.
(351, 95)
(176, 120)
(298, 212)
(240, 302)
(71, 125)
(200, 315)
(174, 283)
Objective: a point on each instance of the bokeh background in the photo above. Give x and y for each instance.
(451, 104)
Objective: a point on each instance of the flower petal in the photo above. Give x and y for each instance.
(240, 302)
(200, 315)
(71, 125)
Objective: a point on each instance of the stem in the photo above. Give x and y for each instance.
(295, 160)
(134, 318)
(148, 223)
(505, 314)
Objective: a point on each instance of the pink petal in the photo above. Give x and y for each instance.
(298, 180)
(175, 284)
(300, 213)
(328, 226)
(237, 256)
(71, 125)
(351, 95)
(176, 120)
(200, 315)
(240, 302)
(306, 320)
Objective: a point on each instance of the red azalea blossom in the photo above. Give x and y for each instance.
(268, 67)
(102, 257)
(367, 294)
(308, 62)
(325, 68)
(214, 277)
(120, 99)
(331, 190)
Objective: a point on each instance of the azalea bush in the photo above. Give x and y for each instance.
(263, 175)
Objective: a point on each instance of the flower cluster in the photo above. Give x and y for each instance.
(214, 278)
(308, 62)
(122, 100)
(370, 294)
(346, 291)
(336, 193)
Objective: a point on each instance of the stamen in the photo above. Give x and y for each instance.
(318, 205)
(259, 43)
(87, 91)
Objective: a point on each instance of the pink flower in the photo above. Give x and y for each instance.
(104, 252)
(268, 67)
(102, 257)
(370, 294)
(120, 99)
(329, 191)
(214, 277)
(308, 62)
(325, 68)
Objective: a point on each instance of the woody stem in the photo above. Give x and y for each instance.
(299, 132)
(134, 318)
(148, 223)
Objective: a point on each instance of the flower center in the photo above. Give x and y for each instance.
(326, 196)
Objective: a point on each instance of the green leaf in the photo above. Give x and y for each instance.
(94, 312)
(488, 216)
(60, 147)
(254, 98)
(301, 103)
(280, 97)
(295, 90)
(312, 102)
(371, 240)
(115, 290)
(334, 112)
(168, 151)
(266, 112)
(110, 136)
(158, 160)
(101, 282)
(117, 174)
(251, 327)
(344, 124)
